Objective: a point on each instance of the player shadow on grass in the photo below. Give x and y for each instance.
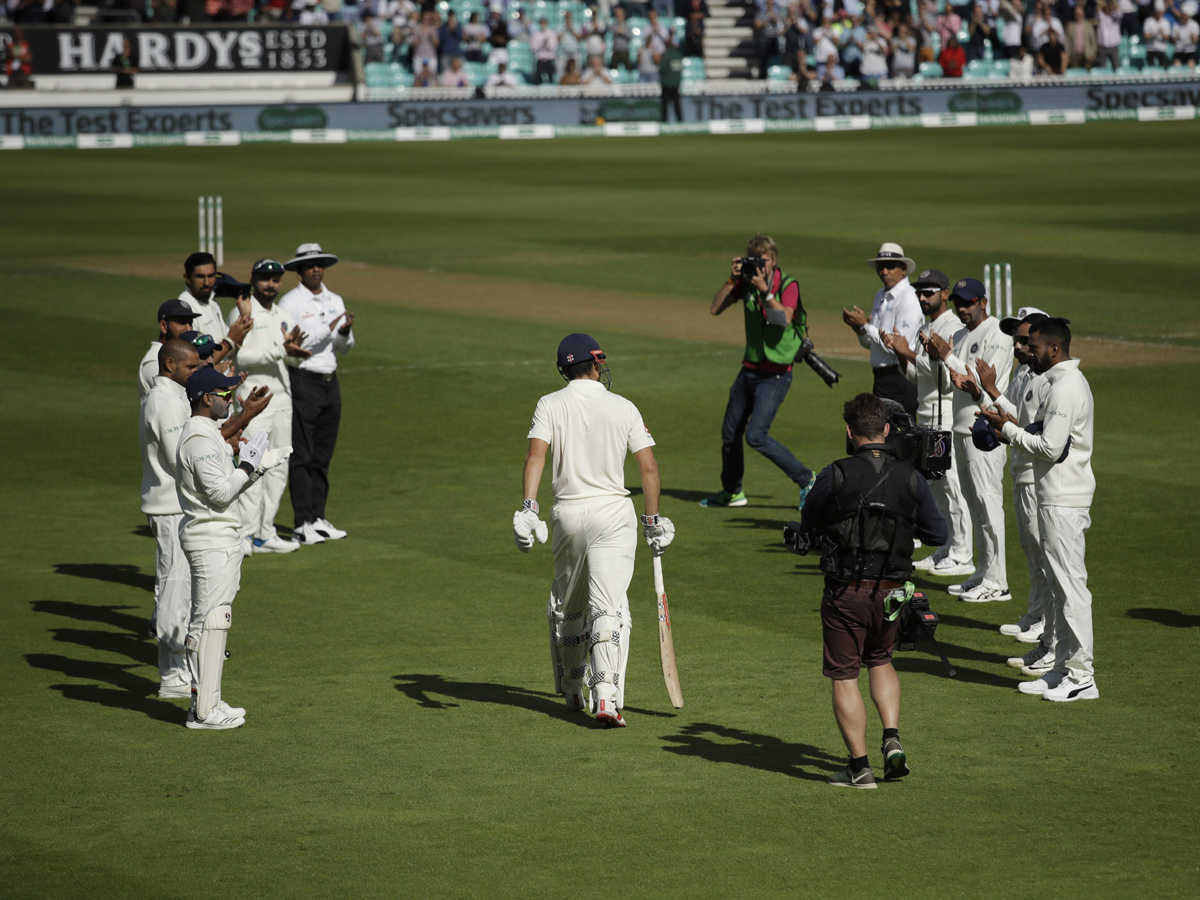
(929, 663)
(757, 751)
(131, 642)
(129, 691)
(1172, 618)
(419, 688)
(119, 573)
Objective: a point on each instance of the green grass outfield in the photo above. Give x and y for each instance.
(402, 740)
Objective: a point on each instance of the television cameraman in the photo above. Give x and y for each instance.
(775, 333)
(864, 512)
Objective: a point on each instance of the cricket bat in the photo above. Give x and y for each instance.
(666, 643)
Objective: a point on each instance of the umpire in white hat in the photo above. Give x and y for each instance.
(316, 395)
(896, 309)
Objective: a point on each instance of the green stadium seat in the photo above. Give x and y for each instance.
(1129, 70)
(1077, 73)
(779, 73)
(693, 68)
(978, 68)
(1000, 68)
(929, 70)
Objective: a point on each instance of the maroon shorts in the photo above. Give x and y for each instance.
(855, 629)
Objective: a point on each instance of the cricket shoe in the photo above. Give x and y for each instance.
(724, 498)
(948, 568)
(174, 689)
(1039, 686)
(924, 565)
(575, 701)
(1037, 660)
(326, 529)
(969, 584)
(1032, 634)
(217, 719)
(845, 778)
(608, 715)
(895, 763)
(981, 594)
(307, 534)
(275, 545)
(1024, 624)
(1069, 689)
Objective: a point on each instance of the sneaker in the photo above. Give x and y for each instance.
(216, 720)
(1069, 689)
(326, 529)
(575, 701)
(275, 545)
(804, 491)
(924, 565)
(1039, 687)
(956, 589)
(307, 534)
(1032, 656)
(895, 763)
(1016, 628)
(724, 498)
(1031, 635)
(845, 778)
(980, 594)
(235, 712)
(608, 715)
(948, 568)
(174, 689)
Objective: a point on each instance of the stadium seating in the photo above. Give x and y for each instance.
(779, 73)
(693, 68)
(929, 70)
(1000, 68)
(1077, 73)
(978, 68)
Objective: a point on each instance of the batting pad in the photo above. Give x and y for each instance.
(210, 659)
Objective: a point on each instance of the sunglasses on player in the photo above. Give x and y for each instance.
(225, 394)
(929, 292)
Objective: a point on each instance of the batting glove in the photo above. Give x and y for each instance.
(527, 526)
(659, 532)
(254, 450)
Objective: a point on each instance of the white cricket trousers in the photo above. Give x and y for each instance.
(948, 495)
(172, 596)
(594, 546)
(259, 503)
(1064, 531)
(216, 577)
(1030, 535)
(981, 476)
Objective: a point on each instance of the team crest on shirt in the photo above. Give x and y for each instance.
(1029, 396)
(975, 348)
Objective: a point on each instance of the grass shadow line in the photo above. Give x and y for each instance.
(756, 751)
(118, 573)
(129, 691)
(1171, 618)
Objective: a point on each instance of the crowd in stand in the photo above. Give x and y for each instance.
(874, 39)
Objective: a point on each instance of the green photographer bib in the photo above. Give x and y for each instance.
(771, 343)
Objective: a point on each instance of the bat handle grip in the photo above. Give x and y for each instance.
(658, 576)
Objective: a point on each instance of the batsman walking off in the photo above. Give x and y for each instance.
(590, 430)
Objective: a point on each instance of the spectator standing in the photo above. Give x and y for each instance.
(693, 34)
(980, 30)
(1186, 35)
(875, 54)
(594, 44)
(475, 34)
(854, 35)
(794, 37)
(622, 34)
(767, 27)
(1051, 58)
(949, 24)
(570, 39)
(450, 38)
(518, 28)
(1043, 24)
(1130, 23)
(1108, 34)
(502, 77)
(455, 75)
(373, 39)
(670, 74)
(928, 35)
(125, 64)
(1081, 41)
(1010, 28)
(648, 63)
(544, 44)
(904, 52)
(952, 59)
(425, 43)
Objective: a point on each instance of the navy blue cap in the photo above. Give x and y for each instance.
(206, 380)
(982, 434)
(931, 278)
(577, 348)
(969, 289)
(176, 309)
(205, 344)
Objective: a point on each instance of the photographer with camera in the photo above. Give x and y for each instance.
(864, 512)
(935, 409)
(776, 327)
(895, 309)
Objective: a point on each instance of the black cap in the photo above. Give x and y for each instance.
(983, 436)
(206, 380)
(932, 278)
(969, 289)
(268, 266)
(176, 309)
(205, 344)
(228, 286)
(577, 348)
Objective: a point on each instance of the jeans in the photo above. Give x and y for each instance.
(753, 401)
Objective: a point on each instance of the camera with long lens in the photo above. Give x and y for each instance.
(797, 538)
(752, 266)
(917, 621)
(926, 449)
(806, 355)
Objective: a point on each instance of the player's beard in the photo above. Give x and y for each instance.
(221, 408)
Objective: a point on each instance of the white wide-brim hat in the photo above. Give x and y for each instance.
(310, 253)
(889, 252)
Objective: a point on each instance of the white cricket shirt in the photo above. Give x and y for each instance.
(165, 412)
(148, 370)
(993, 346)
(1023, 400)
(925, 374)
(262, 356)
(589, 431)
(896, 309)
(211, 322)
(1068, 412)
(314, 313)
(207, 483)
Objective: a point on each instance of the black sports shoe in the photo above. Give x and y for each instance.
(846, 778)
(895, 763)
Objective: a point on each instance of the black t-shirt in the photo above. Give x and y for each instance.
(1053, 55)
